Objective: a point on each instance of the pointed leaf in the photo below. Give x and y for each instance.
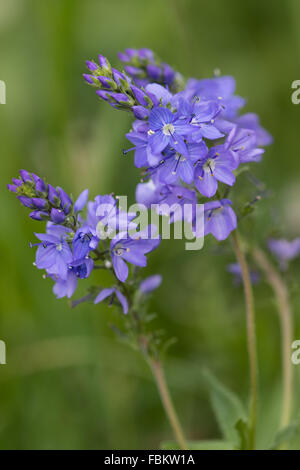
(227, 407)
(287, 434)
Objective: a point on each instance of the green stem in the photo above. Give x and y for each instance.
(249, 300)
(286, 319)
(167, 402)
(160, 380)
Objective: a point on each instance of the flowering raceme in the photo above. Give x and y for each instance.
(73, 245)
(188, 135)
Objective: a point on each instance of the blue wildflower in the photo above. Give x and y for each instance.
(217, 166)
(219, 219)
(54, 253)
(166, 129)
(130, 249)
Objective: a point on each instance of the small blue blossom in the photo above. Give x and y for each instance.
(217, 166)
(219, 219)
(166, 129)
(53, 254)
(65, 287)
(125, 249)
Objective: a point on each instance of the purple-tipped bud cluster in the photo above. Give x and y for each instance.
(45, 201)
(144, 67)
(116, 87)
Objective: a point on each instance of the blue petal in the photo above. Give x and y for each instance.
(123, 301)
(159, 141)
(223, 174)
(159, 117)
(120, 267)
(81, 200)
(205, 182)
(186, 171)
(103, 295)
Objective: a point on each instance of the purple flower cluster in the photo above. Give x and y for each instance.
(74, 245)
(194, 138)
(144, 67)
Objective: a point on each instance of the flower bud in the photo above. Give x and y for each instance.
(52, 195)
(11, 187)
(104, 64)
(38, 215)
(154, 71)
(26, 201)
(91, 65)
(25, 175)
(88, 78)
(65, 199)
(57, 216)
(39, 203)
(140, 112)
(139, 95)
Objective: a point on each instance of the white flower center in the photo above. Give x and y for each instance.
(209, 166)
(59, 247)
(180, 157)
(168, 129)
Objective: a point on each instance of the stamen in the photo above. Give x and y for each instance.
(125, 151)
(176, 165)
(151, 170)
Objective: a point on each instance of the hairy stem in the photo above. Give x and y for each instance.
(249, 300)
(167, 402)
(285, 315)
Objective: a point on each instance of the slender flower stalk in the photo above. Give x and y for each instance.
(249, 300)
(152, 357)
(167, 402)
(286, 319)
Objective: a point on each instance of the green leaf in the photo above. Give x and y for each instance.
(199, 445)
(227, 407)
(287, 434)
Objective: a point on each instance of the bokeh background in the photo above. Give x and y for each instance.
(68, 383)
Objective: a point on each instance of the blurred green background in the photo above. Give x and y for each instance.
(68, 382)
